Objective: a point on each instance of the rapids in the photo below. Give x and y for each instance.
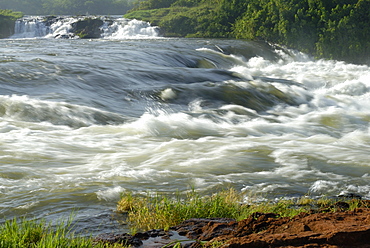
(82, 121)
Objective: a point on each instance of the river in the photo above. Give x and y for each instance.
(83, 121)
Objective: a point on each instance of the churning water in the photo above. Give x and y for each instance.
(82, 121)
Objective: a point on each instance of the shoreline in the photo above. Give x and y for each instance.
(317, 223)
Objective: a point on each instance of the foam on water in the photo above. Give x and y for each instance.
(22, 108)
(58, 155)
(61, 27)
(124, 28)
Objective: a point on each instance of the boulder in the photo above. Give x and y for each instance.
(88, 28)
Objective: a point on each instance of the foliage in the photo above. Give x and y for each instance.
(39, 234)
(337, 29)
(161, 211)
(68, 7)
(7, 21)
(5, 13)
(190, 18)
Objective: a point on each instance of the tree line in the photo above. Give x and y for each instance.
(68, 7)
(336, 29)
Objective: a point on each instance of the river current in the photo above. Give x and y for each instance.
(83, 121)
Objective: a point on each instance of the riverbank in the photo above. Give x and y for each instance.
(341, 229)
(301, 222)
(221, 220)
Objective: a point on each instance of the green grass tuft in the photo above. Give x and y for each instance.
(39, 234)
(162, 212)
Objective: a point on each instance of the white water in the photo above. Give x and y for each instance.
(113, 28)
(123, 28)
(83, 121)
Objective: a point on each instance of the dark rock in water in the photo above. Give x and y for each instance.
(342, 205)
(350, 196)
(49, 20)
(151, 238)
(65, 36)
(109, 22)
(124, 239)
(88, 28)
(195, 228)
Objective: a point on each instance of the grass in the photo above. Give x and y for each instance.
(39, 234)
(162, 212)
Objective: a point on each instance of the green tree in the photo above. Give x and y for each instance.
(338, 29)
(346, 35)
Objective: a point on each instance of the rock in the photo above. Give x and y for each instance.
(124, 239)
(152, 238)
(49, 20)
(336, 229)
(204, 229)
(88, 28)
(343, 229)
(350, 196)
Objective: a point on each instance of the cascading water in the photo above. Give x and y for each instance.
(30, 28)
(84, 120)
(62, 27)
(126, 28)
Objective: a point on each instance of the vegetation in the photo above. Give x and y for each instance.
(187, 18)
(338, 29)
(7, 21)
(68, 7)
(39, 234)
(160, 211)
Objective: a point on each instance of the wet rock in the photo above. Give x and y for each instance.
(152, 238)
(124, 239)
(342, 205)
(341, 229)
(350, 196)
(65, 36)
(194, 228)
(88, 28)
(49, 20)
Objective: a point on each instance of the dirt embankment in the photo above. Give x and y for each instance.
(343, 229)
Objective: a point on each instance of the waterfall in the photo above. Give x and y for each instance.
(123, 28)
(63, 27)
(30, 27)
